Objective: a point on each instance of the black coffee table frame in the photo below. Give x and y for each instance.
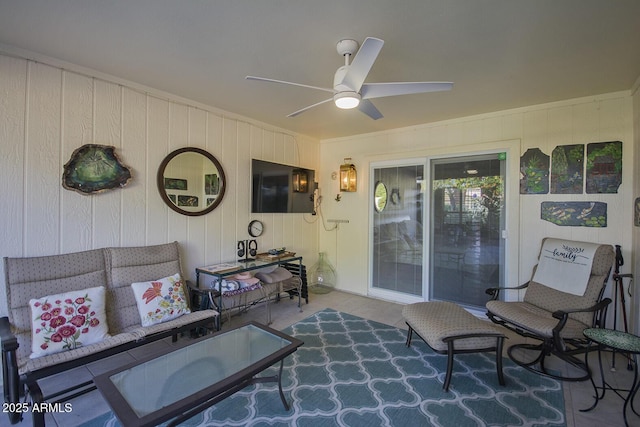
(200, 400)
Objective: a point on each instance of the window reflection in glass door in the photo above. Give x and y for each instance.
(398, 233)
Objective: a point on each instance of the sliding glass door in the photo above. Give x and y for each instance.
(398, 241)
(467, 219)
(459, 253)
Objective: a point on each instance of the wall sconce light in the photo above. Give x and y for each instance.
(348, 176)
(300, 181)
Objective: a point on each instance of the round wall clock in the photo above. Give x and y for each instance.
(256, 228)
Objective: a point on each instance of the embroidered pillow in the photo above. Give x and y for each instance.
(67, 321)
(160, 300)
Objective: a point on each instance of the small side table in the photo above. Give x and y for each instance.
(622, 342)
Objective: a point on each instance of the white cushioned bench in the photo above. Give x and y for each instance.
(449, 329)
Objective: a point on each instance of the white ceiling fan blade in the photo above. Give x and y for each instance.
(264, 79)
(295, 113)
(379, 90)
(369, 109)
(362, 63)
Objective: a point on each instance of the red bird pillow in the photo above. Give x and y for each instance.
(160, 300)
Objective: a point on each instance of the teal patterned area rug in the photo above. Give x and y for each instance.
(355, 372)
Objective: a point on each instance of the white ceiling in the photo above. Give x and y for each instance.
(499, 53)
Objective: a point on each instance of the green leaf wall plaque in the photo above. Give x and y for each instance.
(575, 214)
(95, 168)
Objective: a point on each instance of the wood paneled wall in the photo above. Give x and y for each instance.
(47, 112)
(606, 117)
(635, 261)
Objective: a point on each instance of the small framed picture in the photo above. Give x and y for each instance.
(175, 184)
(636, 212)
(211, 184)
(189, 201)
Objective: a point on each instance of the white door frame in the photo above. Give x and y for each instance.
(510, 234)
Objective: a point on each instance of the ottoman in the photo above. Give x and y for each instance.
(449, 329)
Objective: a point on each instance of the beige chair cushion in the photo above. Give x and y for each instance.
(135, 264)
(552, 300)
(535, 319)
(26, 365)
(437, 320)
(36, 277)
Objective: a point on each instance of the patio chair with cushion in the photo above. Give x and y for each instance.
(564, 297)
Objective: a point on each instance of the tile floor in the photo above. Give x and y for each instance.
(284, 313)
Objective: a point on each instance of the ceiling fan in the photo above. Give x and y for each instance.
(350, 90)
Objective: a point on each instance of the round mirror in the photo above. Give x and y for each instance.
(380, 197)
(191, 181)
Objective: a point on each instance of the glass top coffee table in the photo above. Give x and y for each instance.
(182, 381)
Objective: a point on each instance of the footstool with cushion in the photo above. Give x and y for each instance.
(449, 329)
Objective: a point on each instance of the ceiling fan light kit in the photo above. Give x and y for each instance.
(350, 91)
(346, 100)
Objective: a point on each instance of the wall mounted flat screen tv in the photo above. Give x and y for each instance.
(281, 188)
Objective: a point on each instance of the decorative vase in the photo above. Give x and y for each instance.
(322, 276)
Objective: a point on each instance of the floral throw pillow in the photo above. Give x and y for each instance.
(160, 300)
(67, 321)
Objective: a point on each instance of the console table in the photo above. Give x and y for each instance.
(621, 342)
(227, 269)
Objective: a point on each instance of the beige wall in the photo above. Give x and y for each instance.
(607, 117)
(47, 112)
